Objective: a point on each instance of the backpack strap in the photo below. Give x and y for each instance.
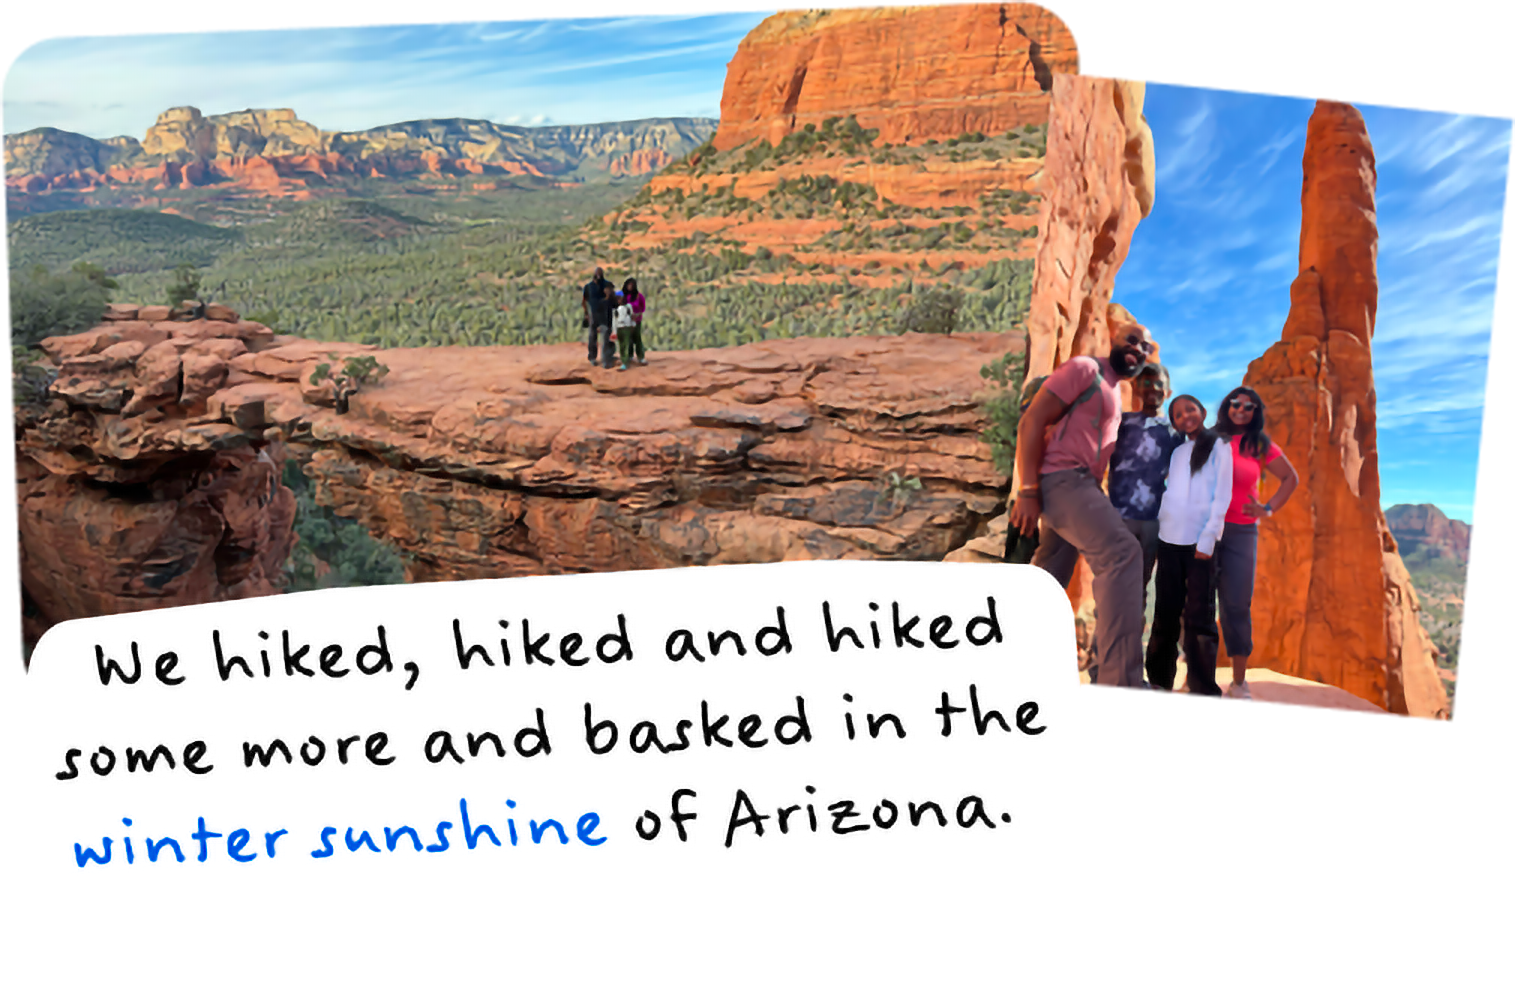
(1092, 389)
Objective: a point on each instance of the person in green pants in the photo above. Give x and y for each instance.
(629, 328)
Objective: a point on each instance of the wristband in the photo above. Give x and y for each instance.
(1031, 492)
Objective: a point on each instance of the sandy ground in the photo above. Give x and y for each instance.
(1273, 687)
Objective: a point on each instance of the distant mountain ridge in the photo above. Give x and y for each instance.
(275, 152)
(1425, 533)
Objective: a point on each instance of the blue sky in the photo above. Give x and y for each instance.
(518, 72)
(1208, 271)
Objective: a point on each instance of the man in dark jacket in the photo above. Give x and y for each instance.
(599, 300)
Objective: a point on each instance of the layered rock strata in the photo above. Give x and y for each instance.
(911, 72)
(134, 494)
(275, 153)
(481, 462)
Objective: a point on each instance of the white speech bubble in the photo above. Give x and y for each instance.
(564, 823)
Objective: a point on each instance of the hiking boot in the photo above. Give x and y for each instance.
(1239, 691)
(623, 367)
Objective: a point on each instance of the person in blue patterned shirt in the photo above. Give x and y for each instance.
(1139, 464)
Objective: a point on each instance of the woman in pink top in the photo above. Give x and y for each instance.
(632, 349)
(1241, 423)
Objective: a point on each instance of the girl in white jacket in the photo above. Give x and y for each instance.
(1189, 523)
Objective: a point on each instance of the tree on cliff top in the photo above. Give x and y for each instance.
(357, 372)
(186, 285)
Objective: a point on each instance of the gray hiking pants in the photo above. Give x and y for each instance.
(1078, 519)
(1062, 559)
(1235, 575)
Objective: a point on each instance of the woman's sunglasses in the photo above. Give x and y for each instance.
(1243, 405)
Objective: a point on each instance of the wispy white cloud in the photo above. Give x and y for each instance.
(1454, 138)
(1432, 235)
(1268, 155)
(612, 23)
(1279, 262)
(620, 58)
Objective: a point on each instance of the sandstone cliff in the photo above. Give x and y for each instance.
(1424, 532)
(1334, 602)
(123, 506)
(878, 140)
(911, 72)
(1098, 182)
(161, 437)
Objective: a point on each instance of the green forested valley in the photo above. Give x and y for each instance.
(481, 267)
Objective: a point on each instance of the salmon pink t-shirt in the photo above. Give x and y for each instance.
(1085, 436)
(1246, 471)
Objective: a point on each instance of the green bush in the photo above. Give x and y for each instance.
(896, 490)
(45, 303)
(355, 557)
(29, 382)
(933, 312)
(1002, 408)
(357, 372)
(185, 285)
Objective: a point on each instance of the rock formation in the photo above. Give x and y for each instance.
(878, 140)
(1334, 603)
(275, 153)
(1098, 182)
(912, 72)
(1423, 532)
(130, 495)
(483, 462)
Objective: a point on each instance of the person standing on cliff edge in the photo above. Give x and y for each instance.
(599, 298)
(1060, 473)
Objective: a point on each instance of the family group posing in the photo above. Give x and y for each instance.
(614, 317)
(1182, 497)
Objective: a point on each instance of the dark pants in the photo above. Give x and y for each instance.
(1062, 558)
(1079, 519)
(1235, 574)
(630, 340)
(1146, 533)
(1186, 599)
(599, 342)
